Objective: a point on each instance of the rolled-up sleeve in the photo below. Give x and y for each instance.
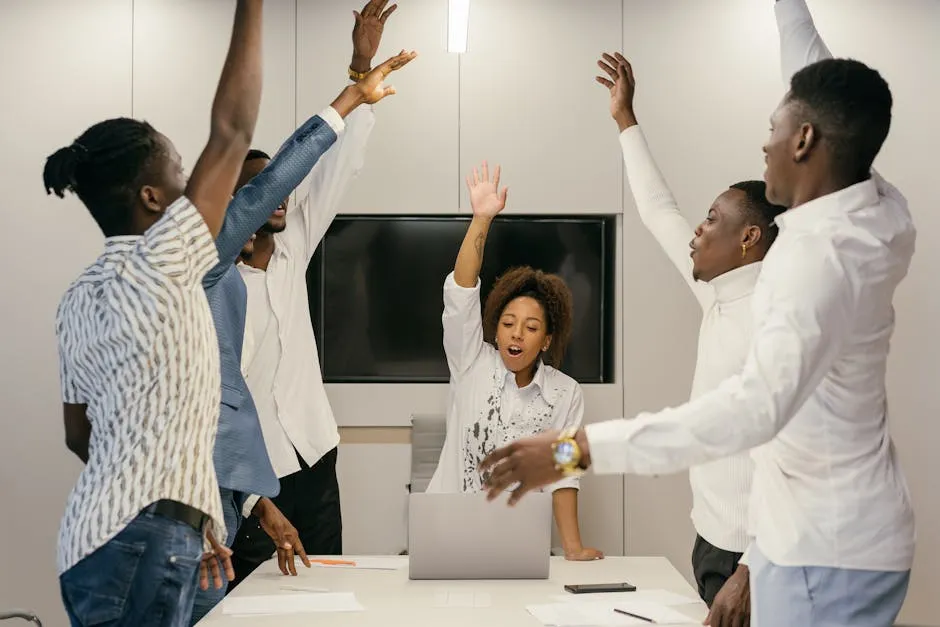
(462, 321)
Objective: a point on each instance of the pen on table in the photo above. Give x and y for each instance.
(332, 562)
(632, 615)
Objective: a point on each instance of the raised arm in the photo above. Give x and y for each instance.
(234, 114)
(318, 201)
(802, 45)
(800, 42)
(462, 320)
(256, 200)
(654, 200)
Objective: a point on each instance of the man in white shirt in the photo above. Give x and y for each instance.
(727, 249)
(279, 358)
(831, 516)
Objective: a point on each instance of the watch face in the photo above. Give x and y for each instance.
(564, 453)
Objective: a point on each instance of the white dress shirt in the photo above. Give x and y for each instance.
(279, 358)
(828, 489)
(487, 409)
(721, 488)
(137, 345)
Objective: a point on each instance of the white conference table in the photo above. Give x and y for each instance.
(391, 599)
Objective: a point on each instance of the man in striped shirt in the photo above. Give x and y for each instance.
(139, 360)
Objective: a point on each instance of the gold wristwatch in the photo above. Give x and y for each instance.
(567, 454)
(357, 76)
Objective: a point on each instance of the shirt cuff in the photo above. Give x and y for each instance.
(451, 285)
(334, 119)
(249, 505)
(630, 131)
(565, 482)
(790, 12)
(608, 445)
(746, 557)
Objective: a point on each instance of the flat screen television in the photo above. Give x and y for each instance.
(375, 285)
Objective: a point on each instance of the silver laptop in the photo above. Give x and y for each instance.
(462, 536)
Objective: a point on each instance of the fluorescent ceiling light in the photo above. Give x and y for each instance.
(458, 25)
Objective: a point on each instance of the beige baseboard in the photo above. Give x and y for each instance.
(375, 435)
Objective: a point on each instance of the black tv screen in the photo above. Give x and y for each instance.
(375, 287)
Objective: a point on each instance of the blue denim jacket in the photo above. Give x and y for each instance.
(241, 460)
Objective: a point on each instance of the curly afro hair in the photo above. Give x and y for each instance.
(552, 294)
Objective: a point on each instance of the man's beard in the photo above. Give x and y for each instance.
(270, 228)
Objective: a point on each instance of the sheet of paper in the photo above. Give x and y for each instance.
(661, 614)
(662, 597)
(600, 615)
(462, 598)
(291, 603)
(579, 615)
(391, 562)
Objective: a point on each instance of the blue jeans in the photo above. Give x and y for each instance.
(146, 576)
(232, 510)
(813, 596)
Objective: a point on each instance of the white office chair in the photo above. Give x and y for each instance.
(428, 432)
(27, 616)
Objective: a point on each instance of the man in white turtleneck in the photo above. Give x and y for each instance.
(720, 260)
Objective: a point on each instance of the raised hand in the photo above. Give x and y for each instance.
(372, 88)
(367, 33)
(486, 198)
(622, 86)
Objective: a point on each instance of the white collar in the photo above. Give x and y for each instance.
(736, 283)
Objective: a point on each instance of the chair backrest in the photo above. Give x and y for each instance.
(427, 439)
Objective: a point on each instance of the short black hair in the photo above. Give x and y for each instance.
(105, 167)
(758, 210)
(849, 104)
(254, 153)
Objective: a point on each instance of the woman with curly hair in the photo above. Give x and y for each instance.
(505, 382)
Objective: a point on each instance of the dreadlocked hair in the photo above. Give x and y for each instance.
(549, 290)
(105, 167)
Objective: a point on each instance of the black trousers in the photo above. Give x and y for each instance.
(712, 568)
(309, 499)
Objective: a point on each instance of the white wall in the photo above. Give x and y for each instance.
(523, 96)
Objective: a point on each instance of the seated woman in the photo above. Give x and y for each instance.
(503, 377)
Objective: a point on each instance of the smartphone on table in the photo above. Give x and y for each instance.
(589, 588)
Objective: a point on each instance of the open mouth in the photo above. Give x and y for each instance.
(514, 351)
(279, 213)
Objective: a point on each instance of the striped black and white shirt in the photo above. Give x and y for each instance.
(137, 345)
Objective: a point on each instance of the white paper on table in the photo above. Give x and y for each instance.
(462, 598)
(661, 614)
(391, 562)
(301, 603)
(600, 615)
(661, 597)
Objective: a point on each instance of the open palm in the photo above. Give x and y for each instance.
(372, 87)
(486, 198)
(619, 81)
(370, 22)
